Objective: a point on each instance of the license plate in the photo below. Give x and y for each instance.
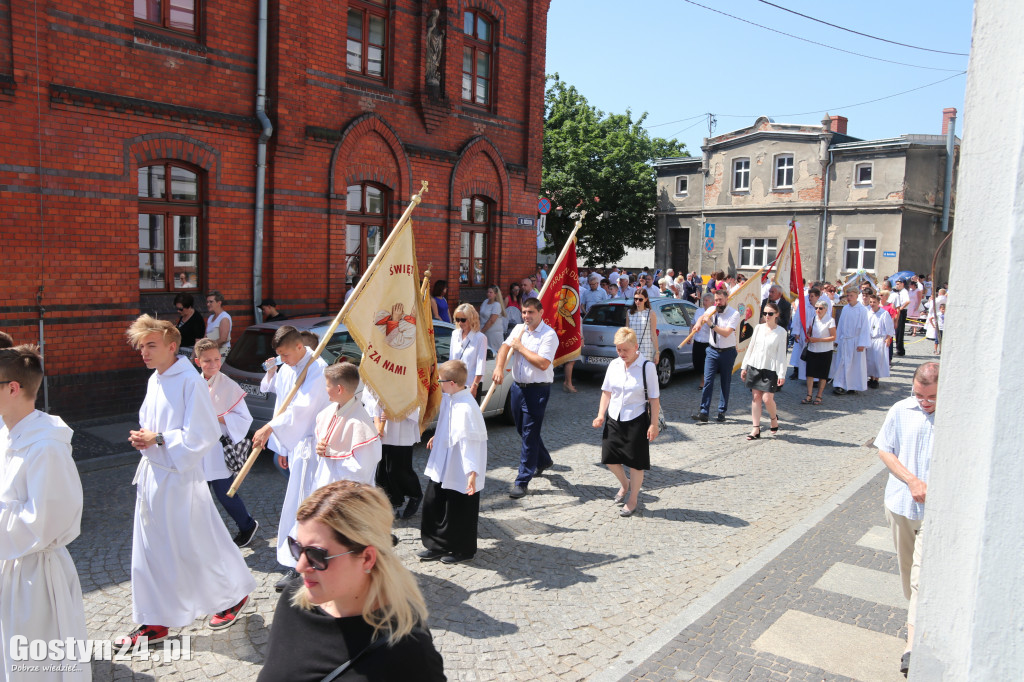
(254, 391)
(598, 360)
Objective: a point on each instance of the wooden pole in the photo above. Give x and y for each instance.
(413, 203)
(543, 289)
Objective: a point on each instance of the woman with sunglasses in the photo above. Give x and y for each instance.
(190, 325)
(644, 323)
(469, 345)
(356, 605)
(764, 367)
(820, 342)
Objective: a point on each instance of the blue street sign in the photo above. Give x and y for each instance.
(709, 244)
(544, 206)
(709, 231)
(888, 254)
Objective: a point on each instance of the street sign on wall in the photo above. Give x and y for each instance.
(888, 254)
(709, 231)
(709, 244)
(544, 206)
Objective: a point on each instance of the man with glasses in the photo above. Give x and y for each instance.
(534, 344)
(853, 335)
(905, 446)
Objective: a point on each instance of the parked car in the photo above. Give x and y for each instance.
(244, 363)
(603, 319)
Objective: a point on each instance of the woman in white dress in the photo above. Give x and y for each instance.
(218, 324)
(469, 345)
(492, 313)
(764, 368)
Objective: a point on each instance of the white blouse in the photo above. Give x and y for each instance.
(767, 350)
(626, 385)
(472, 351)
(821, 331)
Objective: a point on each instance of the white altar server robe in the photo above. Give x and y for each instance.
(878, 353)
(184, 563)
(353, 446)
(228, 400)
(460, 444)
(849, 367)
(40, 513)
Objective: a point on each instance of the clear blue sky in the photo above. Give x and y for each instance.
(676, 60)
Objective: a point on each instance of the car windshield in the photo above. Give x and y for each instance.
(675, 314)
(342, 343)
(251, 350)
(606, 316)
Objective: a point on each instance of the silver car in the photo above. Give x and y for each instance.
(244, 363)
(603, 319)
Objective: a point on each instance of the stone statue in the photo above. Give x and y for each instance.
(435, 49)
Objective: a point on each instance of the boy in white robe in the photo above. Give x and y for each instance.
(290, 432)
(882, 333)
(234, 419)
(40, 513)
(184, 564)
(347, 445)
(853, 336)
(395, 475)
(457, 469)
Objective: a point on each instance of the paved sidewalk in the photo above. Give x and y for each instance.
(562, 588)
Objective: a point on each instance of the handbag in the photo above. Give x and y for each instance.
(235, 454)
(647, 401)
(805, 353)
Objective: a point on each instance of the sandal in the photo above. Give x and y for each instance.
(774, 429)
(754, 436)
(807, 400)
(817, 401)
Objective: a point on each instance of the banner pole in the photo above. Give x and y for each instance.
(413, 203)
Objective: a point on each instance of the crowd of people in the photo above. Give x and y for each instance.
(344, 592)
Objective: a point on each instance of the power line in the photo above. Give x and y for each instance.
(682, 120)
(813, 42)
(692, 125)
(866, 35)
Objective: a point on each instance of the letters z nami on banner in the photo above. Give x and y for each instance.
(389, 321)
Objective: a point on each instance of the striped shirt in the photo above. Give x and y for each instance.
(907, 433)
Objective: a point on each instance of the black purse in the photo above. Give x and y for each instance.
(647, 401)
(805, 353)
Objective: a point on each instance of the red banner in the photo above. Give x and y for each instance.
(561, 301)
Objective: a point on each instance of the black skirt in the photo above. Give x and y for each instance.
(626, 443)
(818, 364)
(762, 380)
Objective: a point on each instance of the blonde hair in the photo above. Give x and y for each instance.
(471, 314)
(625, 335)
(203, 345)
(360, 516)
(498, 298)
(146, 325)
(454, 370)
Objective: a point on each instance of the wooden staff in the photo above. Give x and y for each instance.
(540, 296)
(413, 203)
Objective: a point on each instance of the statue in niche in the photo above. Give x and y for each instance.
(435, 49)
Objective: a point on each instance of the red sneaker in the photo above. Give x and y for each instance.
(226, 619)
(153, 633)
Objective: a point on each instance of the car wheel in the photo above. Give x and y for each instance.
(506, 411)
(665, 367)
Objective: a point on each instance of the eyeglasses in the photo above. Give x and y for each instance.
(820, 307)
(11, 381)
(922, 399)
(316, 556)
(639, 298)
(178, 308)
(460, 319)
(769, 314)
(447, 381)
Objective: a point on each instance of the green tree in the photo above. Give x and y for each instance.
(599, 162)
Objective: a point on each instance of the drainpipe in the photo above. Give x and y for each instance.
(42, 350)
(824, 219)
(950, 139)
(261, 160)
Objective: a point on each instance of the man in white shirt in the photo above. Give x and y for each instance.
(613, 276)
(901, 303)
(723, 321)
(534, 344)
(592, 294)
(526, 290)
(905, 446)
(653, 291)
(625, 290)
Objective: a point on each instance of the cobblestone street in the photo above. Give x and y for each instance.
(562, 588)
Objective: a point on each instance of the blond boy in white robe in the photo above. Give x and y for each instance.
(40, 513)
(347, 445)
(882, 333)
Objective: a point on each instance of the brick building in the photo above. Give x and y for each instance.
(129, 169)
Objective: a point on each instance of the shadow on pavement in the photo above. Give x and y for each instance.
(448, 609)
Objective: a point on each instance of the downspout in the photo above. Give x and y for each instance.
(946, 194)
(261, 160)
(824, 219)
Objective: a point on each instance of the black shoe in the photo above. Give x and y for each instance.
(905, 663)
(541, 470)
(411, 506)
(720, 417)
(517, 492)
(430, 554)
(455, 558)
(700, 416)
(283, 582)
(839, 391)
(244, 537)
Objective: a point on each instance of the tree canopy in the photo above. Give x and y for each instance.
(599, 162)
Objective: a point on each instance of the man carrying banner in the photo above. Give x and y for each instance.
(723, 320)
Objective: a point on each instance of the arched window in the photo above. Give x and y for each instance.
(477, 58)
(364, 232)
(476, 224)
(170, 217)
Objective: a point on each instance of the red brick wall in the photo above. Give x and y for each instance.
(113, 95)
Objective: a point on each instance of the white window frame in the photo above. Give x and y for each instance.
(777, 166)
(861, 248)
(686, 185)
(856, 173)
(749, 246)
(746, 175)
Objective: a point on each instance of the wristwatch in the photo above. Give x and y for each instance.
(159, 439)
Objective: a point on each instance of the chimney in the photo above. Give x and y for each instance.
(838, 124)
(948, 114)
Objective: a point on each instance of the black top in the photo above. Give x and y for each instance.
(279, 316)
(306, 646)
(192, 330)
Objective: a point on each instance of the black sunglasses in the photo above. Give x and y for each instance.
(460, 319)
(769, 314)
(316, 556)
(178, 308)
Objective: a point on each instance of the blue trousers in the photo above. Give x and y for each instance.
(234, 506)
(528, 405)
(720, 362)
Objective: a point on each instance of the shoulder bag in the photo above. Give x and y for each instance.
(647, 400)
(375, 644)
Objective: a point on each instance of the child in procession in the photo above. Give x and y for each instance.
(347, 445)
(882, 333)
(395, 474)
